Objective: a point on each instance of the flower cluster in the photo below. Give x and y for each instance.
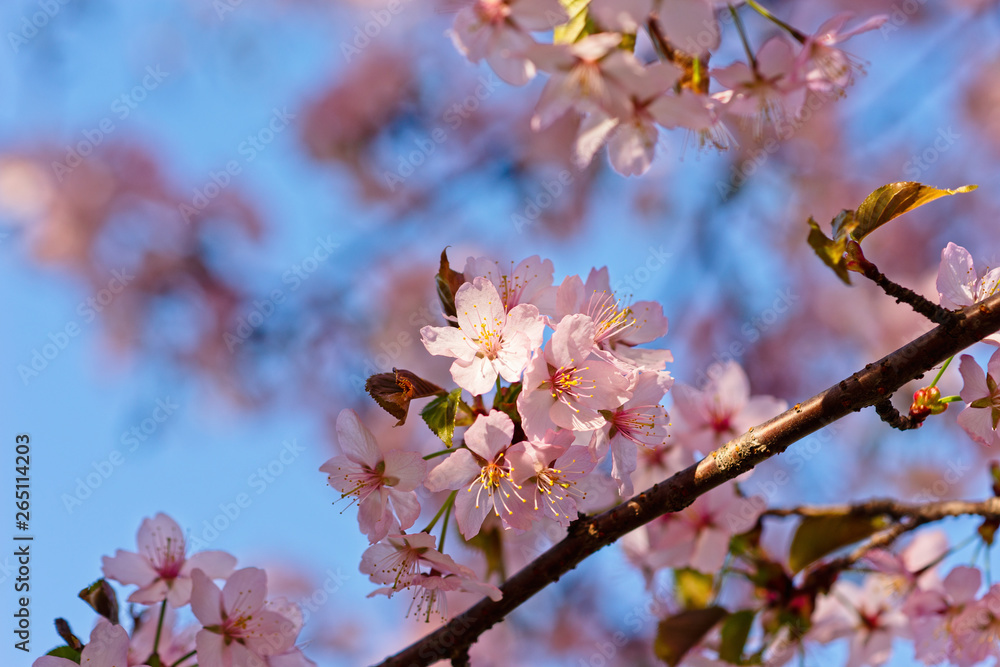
(237, 624)
(595, 68)
(576, 405)
(907, 598)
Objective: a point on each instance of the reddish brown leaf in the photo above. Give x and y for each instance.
(394, 391)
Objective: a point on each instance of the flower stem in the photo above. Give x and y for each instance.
(447, 503)
(743, 38)
(159, 631)
(183, 658)
(436, 454)
(940, 373)
(794, 32)
(444, 524)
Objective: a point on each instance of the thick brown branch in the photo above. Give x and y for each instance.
(862, 389)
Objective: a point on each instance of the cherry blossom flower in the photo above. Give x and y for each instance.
(824, 67)
(567, 385)
(932, 613)
(911, 568)
(489, 340)
(481, 469)
(690, 25)
(240, 627)
(866, 615)
(975, 631)
(497, 30)
(701, 114)
(641, 421)
(382, 481)
(399, 560)
(591, 75)
(632, 132)
(722, 410)
(617, 328)
(981, 415)
(698, 536)
(551, 466)
(160, 568)
(108, 647)
(765, 93)
(528, 282)
(959, 285)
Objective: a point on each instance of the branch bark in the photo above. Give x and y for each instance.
(876, 382)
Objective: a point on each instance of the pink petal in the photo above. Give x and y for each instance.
(978, 423)
(470, 512)
(974, 378)
(690, 25)
(455, 472)
(956, 276)
(632, 147)
(155, 592)
(476, 376)
(206, 599)
(593, 132)
(373, 518)
(624, 459)
(538, 14)
(490, 434)
(962, 584)
(179, 593)
(404, 471)
(650, 323)
(525, 318)
(210, 649)
(406, 507)
(269, 633)
(507, 57)
(993, 366)
(355, 440)
(710, 550)
(571, 342)
(108, 646)
(128, 568)
(245, 592)
(447, 342)
(215, 564)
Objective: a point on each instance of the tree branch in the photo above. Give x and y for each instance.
(926, 512)
(866, 387)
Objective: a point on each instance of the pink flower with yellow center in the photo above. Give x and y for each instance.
(481, 473)
(240, 627)
(382, 482)
(160, 568)
(489, 340)
(568, 385)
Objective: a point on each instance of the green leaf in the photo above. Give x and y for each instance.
(678, 634)
(893, 200)
(576, 28)
(66, 652)
(817, 536)
(830, 251)
(440, 415)
(694, 589)
(735, 631)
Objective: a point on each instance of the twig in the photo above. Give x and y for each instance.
(891, 416)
